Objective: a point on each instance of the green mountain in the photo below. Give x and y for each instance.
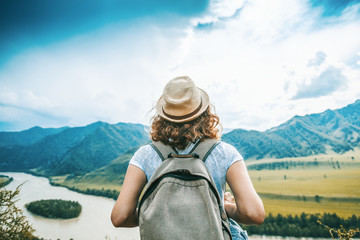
(27, 137)
(113, 173)
(330, 131)
(79, 149)
(105, 149)
(337, 131)
(100, 147)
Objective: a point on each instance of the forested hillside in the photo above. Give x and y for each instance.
(27, 137)
(332, 130)
(74, 150)
(100, 145)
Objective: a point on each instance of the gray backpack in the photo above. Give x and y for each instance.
(181, 200)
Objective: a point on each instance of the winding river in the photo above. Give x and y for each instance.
(92, 224)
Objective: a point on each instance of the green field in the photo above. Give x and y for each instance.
(332, 186)
(96, 182)
(338, 193)
(329, 183)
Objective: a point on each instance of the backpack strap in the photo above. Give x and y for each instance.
(205, 147)
(162, 150)
(202, 148)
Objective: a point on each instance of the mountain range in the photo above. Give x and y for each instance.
(106, 148)
(70, 150)
(330, 131)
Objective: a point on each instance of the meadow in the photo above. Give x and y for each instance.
(322, 184)
(96, 182)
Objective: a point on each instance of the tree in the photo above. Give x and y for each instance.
(13, 224)
(55, 208)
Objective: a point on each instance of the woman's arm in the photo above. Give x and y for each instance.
(248, 207)
(124, 211)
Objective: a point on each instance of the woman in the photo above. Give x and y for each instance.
(184, 117)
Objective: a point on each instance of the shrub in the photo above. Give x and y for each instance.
(13, 224)
(341, 233)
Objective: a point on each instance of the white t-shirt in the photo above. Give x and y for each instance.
(218, 162)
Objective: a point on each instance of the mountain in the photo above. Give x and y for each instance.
(78, 149)
(337, 131)
(332, 130)
(113, 173)
(101, 148)
(27, 137)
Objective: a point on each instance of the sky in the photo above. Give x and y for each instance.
(73, 62)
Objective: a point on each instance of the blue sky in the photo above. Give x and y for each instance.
(70, 63)
(25, 24)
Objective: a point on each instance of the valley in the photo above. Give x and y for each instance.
(308, 164)
(317, 184)
(308, 191)
(324, 188)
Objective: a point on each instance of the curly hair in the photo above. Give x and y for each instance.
(179, 135)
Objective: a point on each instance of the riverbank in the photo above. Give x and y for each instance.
(113, 194)
(69, 182)
(93, 222)
(5, 180)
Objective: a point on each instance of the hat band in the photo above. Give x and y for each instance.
(184, 116)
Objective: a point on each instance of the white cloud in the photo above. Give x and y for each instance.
(266, 47)
(225, 8)
(317, 60)
(219, 10)
(108, 75)
(252, 64)
(329, 81)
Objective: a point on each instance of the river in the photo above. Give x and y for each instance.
(92, 224)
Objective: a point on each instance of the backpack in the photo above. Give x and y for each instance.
(181, 200)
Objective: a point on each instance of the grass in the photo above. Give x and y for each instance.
(331, 183)
(287, 207)
(347, 160)
(311, 189)
(84, 183)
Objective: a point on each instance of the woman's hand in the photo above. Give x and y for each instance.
(228, 198)
(229, 204)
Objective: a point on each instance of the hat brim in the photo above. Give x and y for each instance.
(205, 104)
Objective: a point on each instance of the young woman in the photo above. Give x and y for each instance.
(184, 116)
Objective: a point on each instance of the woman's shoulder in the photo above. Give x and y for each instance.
(144, 151)
(224, 146)
(228, 151)
(147, 159)
(144, 156)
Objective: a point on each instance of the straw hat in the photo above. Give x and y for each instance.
(182, 101)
